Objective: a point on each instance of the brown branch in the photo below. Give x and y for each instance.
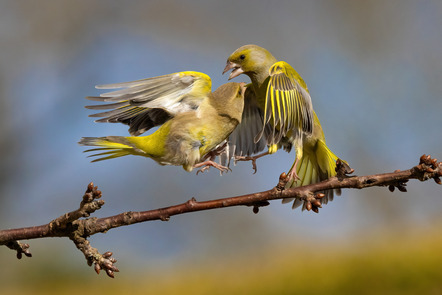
(78, 230)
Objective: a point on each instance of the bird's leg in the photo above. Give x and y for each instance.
(292, 175)
(215, 152)
(206, 165)
(251, 158)
(211, 156)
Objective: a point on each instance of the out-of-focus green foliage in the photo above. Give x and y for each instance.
(405, 262)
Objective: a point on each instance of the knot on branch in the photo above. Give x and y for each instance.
(428, 168)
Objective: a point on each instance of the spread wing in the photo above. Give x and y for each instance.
(146, 103)
(288, 106)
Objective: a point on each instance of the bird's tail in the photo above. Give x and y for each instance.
(109, 147)
(315, 166)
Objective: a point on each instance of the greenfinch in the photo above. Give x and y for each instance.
(279, 93)
(279, 101)
(193, 121)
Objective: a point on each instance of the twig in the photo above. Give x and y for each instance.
(78, 230)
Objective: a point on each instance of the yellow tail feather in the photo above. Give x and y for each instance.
(317, 164)
(110, 147)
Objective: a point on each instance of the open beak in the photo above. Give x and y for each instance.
(237, 70)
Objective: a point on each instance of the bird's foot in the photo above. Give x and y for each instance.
(292, 175)
(251, 158)
(209, 163)
(218, 151)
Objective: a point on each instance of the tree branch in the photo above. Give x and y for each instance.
(78, 226)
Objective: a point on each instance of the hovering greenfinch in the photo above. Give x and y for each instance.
(194, 121)
(278, 101)
(285, 112)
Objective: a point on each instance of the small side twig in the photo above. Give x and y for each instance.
(20, 248)
(88, 205)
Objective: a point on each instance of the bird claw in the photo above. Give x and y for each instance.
(251, 158)
(218, 151)
(209, 163)
(292, 175)
(202, 170)
(247, 158)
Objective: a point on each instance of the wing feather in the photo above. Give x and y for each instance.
(241, 141)
(288, 104)
(137, 102)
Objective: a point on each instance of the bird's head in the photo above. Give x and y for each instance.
(251, 60)
(229, 99)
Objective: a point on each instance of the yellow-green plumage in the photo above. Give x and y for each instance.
(146, 103)
(283, 103)
(287, 117)
(189, 134)
(318, 163)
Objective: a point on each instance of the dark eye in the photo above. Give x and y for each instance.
(242, 56)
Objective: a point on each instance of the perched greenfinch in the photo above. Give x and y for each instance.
(194, 121)
(281, 104)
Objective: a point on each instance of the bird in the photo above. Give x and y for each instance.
(280, 104)
(193, 121)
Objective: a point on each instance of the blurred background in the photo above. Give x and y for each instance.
(374, 70)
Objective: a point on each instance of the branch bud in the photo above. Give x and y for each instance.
(402, 188)
(320, 195)
(97, 268)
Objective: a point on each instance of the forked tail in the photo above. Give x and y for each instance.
(109, 147)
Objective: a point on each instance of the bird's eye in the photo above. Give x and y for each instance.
(242, 56)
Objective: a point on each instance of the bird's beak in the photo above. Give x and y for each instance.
(237, 70)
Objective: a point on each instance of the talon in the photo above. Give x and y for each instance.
(209, 163)
(202, 170)
(215, 152)
(293, 175)
(245, 158)
(251, 158)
